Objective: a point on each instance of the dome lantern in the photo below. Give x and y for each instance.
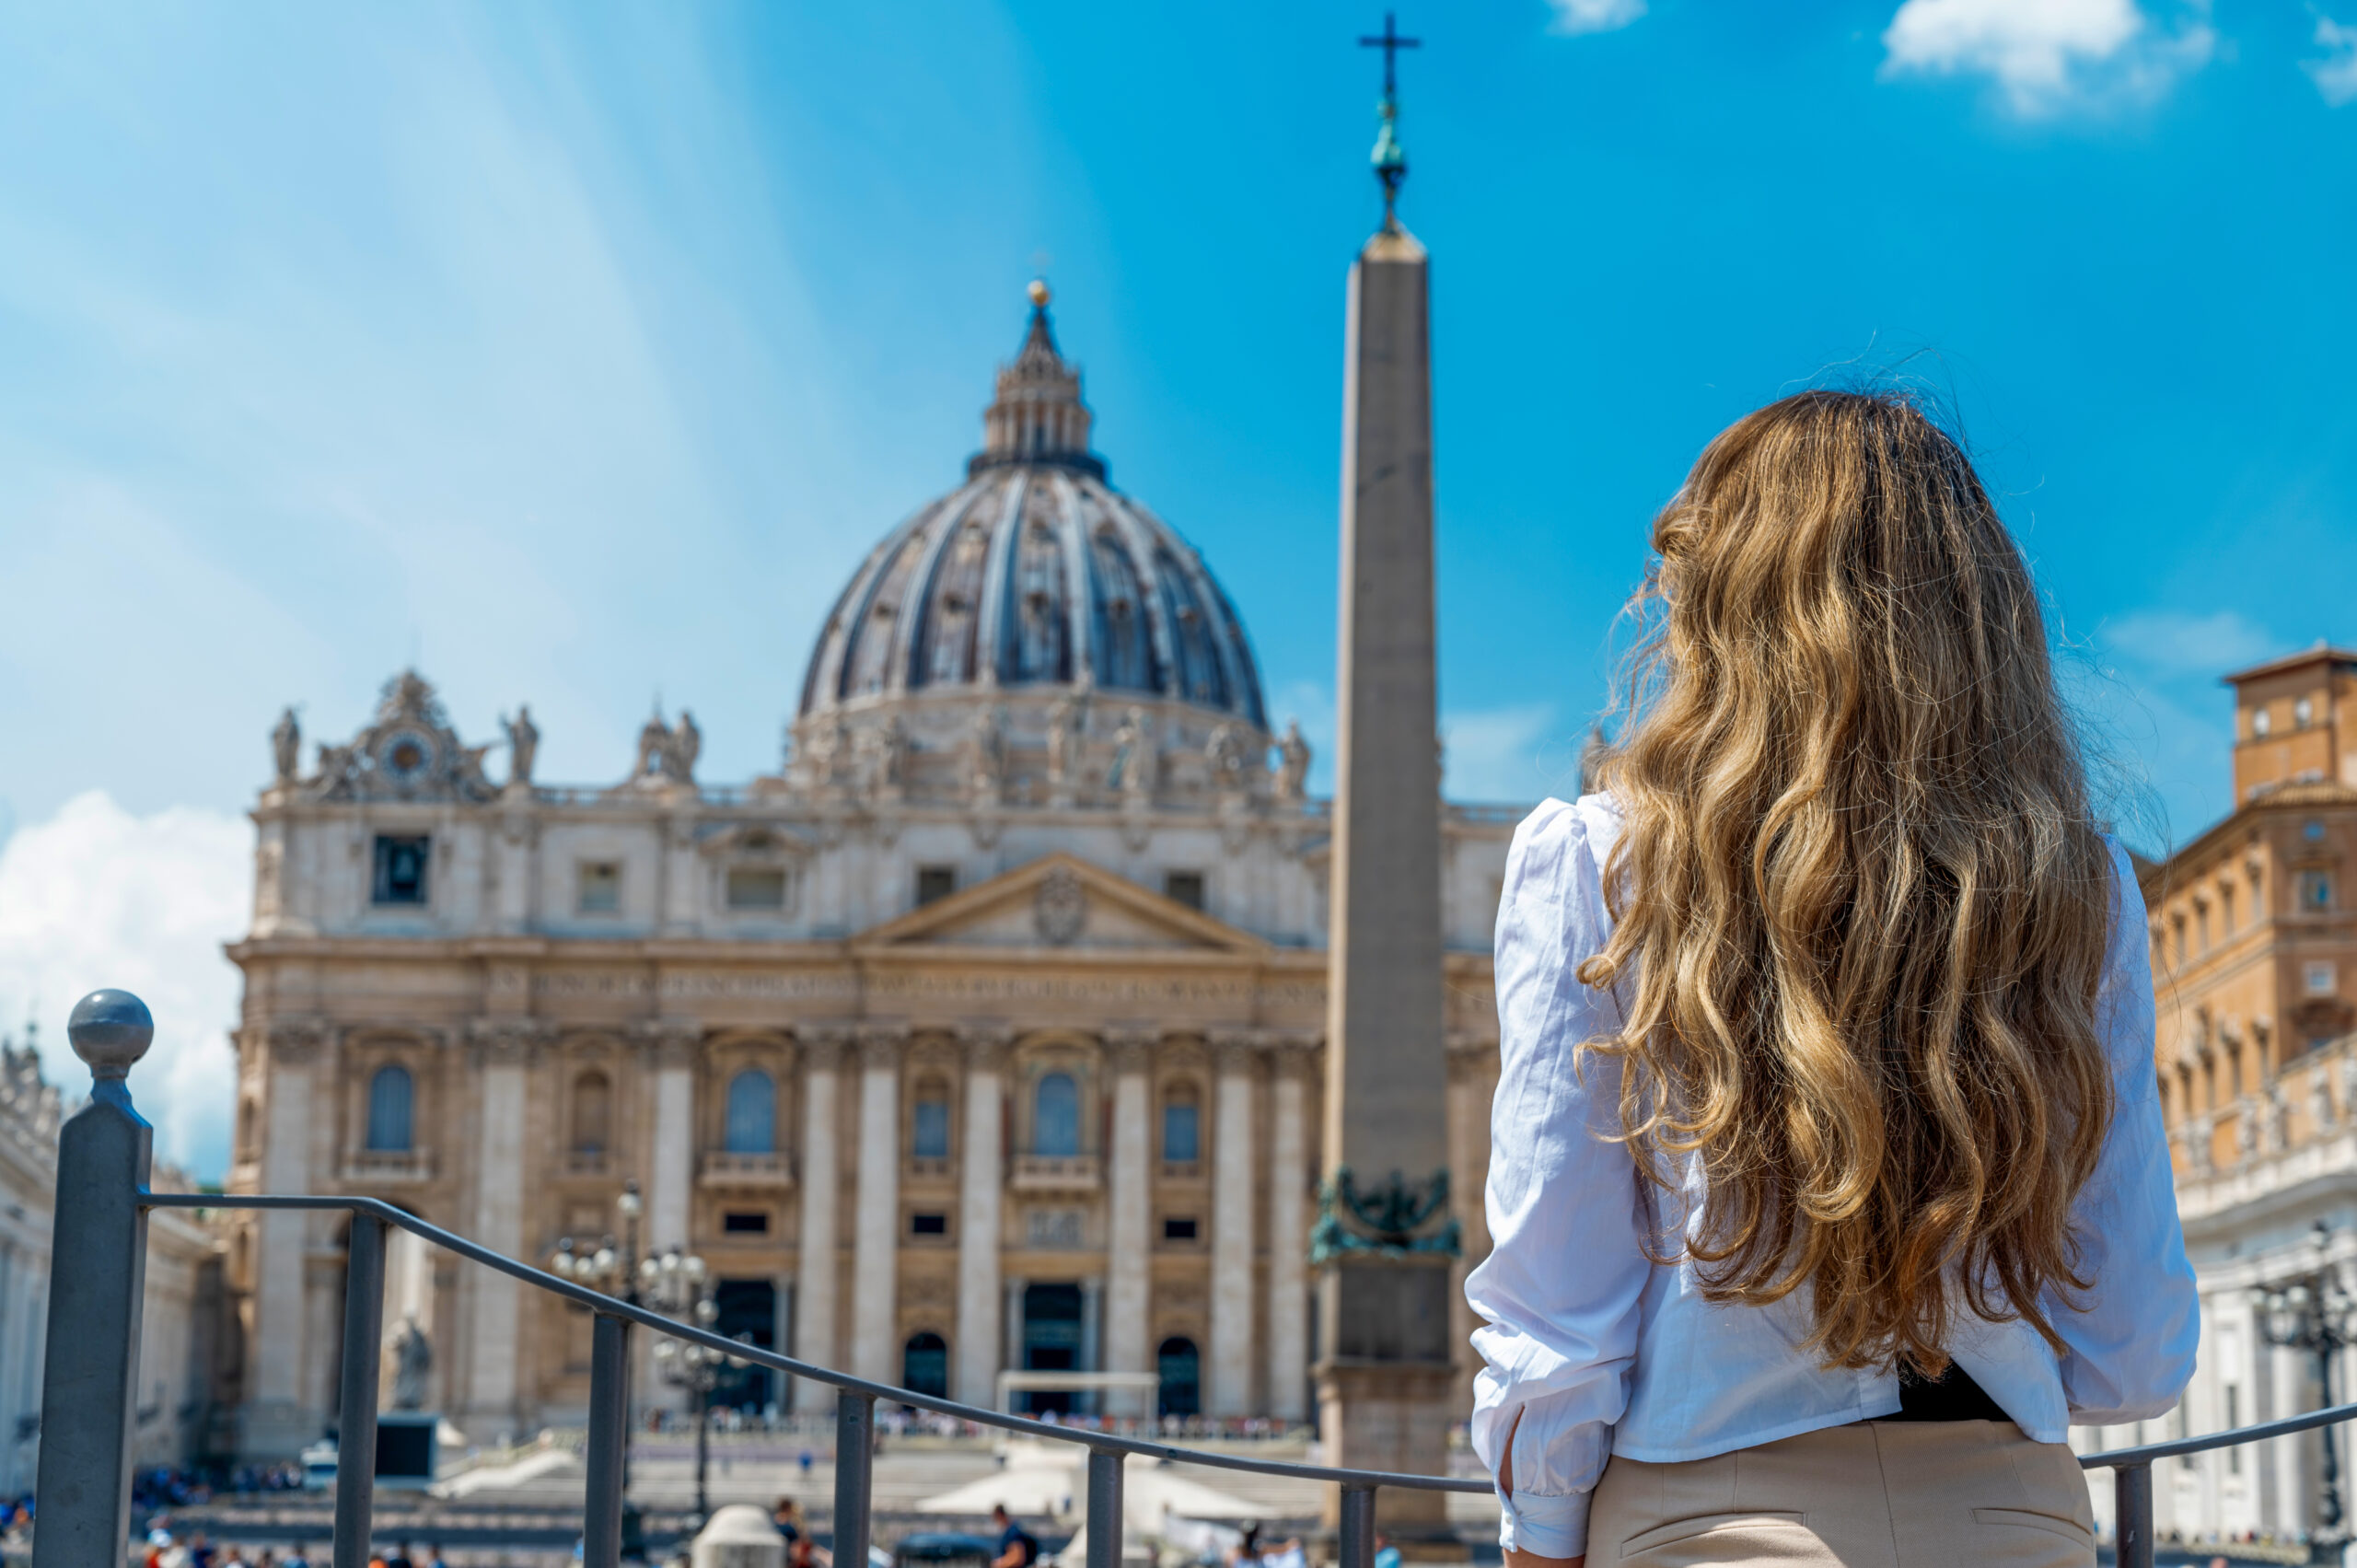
(1038, 416)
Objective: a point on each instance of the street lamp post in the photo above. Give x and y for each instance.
(2317, 1314)
(617, 1271)
(698, 1370)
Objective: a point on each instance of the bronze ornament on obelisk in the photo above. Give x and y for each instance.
(1385, 1238)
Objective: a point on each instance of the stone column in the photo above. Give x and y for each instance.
(1130, 1219)
(670, 1053)
(1229, 1375)
(875, 1238)
(502, 1050)
(1092, 1338)
(2287, 1509)
(1386, 1385)
(276, 1424)
(816, 1284)
(1013, 1359)
(976, 1354)
(1288, 1394)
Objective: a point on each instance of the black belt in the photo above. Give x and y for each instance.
(1952, 1396)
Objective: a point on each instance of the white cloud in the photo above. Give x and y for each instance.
(97, 897)
(2170, 641)
(2048, 55)
(1594, 15)
(2335, 75)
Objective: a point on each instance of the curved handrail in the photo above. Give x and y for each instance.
(1102, 1441)
(2332, 1415)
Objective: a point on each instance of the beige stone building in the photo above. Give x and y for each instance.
(2253, 944)
(984, 1035)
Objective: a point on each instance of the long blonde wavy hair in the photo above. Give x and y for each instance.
(1861, 900)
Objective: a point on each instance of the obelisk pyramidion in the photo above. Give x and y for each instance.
(1385, 1238)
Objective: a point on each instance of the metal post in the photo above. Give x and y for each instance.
(704, 1429)
(2131, 1515)
(355, 1440)
(1357, 1545)
(97, 1274)
(854, 1463)
(1104, 1521)
(601, 1514)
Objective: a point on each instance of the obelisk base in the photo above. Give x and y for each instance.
(1387, 1391)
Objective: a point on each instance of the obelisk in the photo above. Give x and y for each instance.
(1385, 1237)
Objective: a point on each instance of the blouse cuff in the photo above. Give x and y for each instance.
(1551, 1527)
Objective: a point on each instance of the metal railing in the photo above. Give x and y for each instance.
(97, 1273)
(98, 1269)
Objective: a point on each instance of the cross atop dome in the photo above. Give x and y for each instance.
(1038, 416)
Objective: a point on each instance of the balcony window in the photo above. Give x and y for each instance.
(599, 887)
(756, 887)
(1181, 1128)
(752, 1113)
(930, 1132)
(593, 1114)
(400, 869)
(2315, 890)
(389, 1098)
(2319, 978)
(1055, 1117)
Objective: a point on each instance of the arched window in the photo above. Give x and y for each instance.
(1055, 1116)
(593, 1114)
(925, 1365)
(1181, 1370)
(930, 1130)
(389, 1098)
(1182, 1140)
(752, 1113)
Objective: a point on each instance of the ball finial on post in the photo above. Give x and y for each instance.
(111, 1031)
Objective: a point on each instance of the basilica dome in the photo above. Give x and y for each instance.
(1035, 574)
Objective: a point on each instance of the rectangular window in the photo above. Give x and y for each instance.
(928, 1225)
(1184, 887)
(600, 886)
(746, 1222)
(2316, 889)
(2319, 978)
(936, 883)
(756, 887)
(931, 1129)
(1176, 1229)
(400, 869)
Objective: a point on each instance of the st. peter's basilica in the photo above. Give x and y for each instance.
(984, 1035)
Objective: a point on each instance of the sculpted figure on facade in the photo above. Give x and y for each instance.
(1134, 758)
(686, 746)
(1292, 762)
(986, 756)
(1065, 719)
(523, 745)
(287, 748)
(2320, 1100)
(881, 753)
(654, 746)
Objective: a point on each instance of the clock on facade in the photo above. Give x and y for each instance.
(405, 755)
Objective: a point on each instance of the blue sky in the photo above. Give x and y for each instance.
(576, 352)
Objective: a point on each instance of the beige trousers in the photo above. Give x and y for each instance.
(1872, 1494)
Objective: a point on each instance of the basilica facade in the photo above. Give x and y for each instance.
(984, 1036)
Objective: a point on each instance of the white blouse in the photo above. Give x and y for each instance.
(1601, 1352)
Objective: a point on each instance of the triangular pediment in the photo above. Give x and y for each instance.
(1061, 901)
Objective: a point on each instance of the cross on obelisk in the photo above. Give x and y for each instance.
(1384, 1245)
(1390, 160)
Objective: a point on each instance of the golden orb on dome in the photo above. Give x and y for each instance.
(1039, 290)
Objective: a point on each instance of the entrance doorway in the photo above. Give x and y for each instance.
(1051, 1343)
(747, 1307)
